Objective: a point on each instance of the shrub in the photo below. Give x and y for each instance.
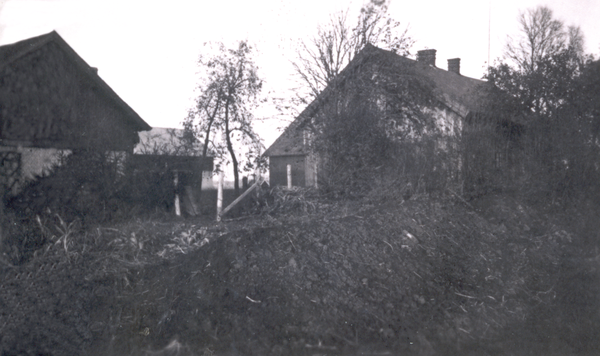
(84, 185)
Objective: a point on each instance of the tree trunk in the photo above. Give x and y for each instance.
(236, 177)
(205, 149)
(236, 174)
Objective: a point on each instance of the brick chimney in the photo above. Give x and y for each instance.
(454, 65)
(426, 56)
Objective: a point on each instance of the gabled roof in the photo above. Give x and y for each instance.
(166, 141)
(13, 52)
(456, 92)
(166, 148)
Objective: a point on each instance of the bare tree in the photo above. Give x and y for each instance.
(544, 90)
(540, 63)
(541, 35)
(324, 56)
(222, 116)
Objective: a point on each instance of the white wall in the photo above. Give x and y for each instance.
(39, 161)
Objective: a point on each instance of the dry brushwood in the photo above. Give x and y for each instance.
(416, 276)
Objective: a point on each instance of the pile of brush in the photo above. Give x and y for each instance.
(379, 274)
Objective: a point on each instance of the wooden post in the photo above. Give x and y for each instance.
(189, 191)
(240, 198)
(289, 176)
(316, 174)
(220, 196)
(177, 204)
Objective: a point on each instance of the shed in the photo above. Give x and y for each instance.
(170, 164)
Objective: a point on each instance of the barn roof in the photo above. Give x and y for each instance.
(167, 141)
(458, 93)
(168, 148)
(13, 52)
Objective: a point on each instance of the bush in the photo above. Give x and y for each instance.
(281, 200)
(84, 186)
(542, 161)
(147, 191)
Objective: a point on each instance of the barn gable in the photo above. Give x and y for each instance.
(53, 103)
(51, 98)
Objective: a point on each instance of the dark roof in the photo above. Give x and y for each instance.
(13, 52)
(167, 141)
(165, 148)
(459, 93)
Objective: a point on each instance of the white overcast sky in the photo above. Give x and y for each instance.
(146, 50)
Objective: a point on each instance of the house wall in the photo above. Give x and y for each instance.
(20, 165)
(312, 171)
(207, 180)
(305, 167)
(278, 170)
(448, 122)
(39, 161)
(170, 142)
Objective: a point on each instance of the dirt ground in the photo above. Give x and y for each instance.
(374, 276)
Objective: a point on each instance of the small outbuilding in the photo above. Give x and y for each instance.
(171, 166)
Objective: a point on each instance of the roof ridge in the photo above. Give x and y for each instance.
(19, 49)
(22, 47)
(452, 90)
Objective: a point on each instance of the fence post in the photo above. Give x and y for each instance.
(220, 196)
(241, 197)
(176, 182)
(289, 176)
(316, 174)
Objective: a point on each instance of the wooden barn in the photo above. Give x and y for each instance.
(454, 99)
(53, 103)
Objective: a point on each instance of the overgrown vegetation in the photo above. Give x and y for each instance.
(545, 89)
(82, 185)
(370, 121)
(84, 189)
(376, 274)
(497, 257)
(534, 133)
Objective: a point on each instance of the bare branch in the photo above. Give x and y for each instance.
(324, 56)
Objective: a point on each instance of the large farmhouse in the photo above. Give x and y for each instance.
(454, 100)
(51, 103)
